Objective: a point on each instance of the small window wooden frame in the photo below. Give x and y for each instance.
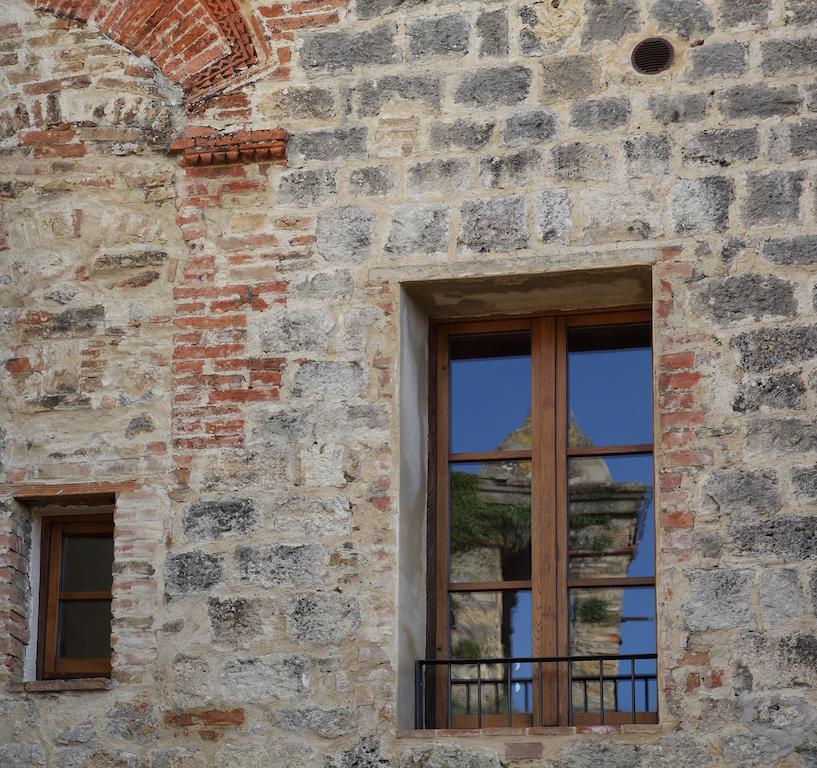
(49, 665)
(549, 501)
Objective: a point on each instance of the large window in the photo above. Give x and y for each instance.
(542, 610)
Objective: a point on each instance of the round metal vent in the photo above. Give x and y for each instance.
(653, 55)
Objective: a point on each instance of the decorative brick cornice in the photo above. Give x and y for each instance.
(203, 146)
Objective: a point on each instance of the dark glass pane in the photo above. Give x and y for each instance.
(87, 563)
(612, 621)
(491, 625)
(611, 517)
(84, 629)
(490, 378)
(490, 529)
(610, 385)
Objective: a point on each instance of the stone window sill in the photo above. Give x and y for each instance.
(57, 686)
(637, 728)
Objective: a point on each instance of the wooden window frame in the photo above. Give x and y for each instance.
(49, 665)
(549, 582)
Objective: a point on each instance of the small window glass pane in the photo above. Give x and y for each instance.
(490, 531)
(611, 517)
(84, 629)
(87, 563)
(490, 379)
(610, 385)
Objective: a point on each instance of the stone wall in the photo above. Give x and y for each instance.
(225, 335)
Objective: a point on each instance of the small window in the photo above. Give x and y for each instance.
(75, 596)
(543, 607)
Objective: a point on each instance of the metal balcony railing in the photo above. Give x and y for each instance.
(536, 691)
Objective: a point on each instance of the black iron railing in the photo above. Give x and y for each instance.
(540, 691)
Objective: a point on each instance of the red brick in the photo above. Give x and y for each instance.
(682, 419)
(678, 380)
(677, 520)
(243, 395)
(18, 365)
(523, 750)
(47, 137)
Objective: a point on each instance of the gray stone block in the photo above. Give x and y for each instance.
(529, 127)
(326, 723)
(418, 229)
(492, 31)
(688, 18)
(233, 620)
(773, 198)
(306, 187)
(728, 299)
(722, 147)
(438, 36)
(760, 101)
(804, 482)
(742, 494)
(734, 13)
(364, 754)
(782, 391)
(494, 87)
(801, 12)
(584, 753)
(334, 380)
(280, 565)
(720, 599)
(510, 171)
(580, 161)
(346, 49)
(443, 755)
(302, 103)
(461, 134)
(21, 755)
(717, 60)
(610, 19)
(345, 234)
(372, 181)
(787, 537)
(497, 224)
(647, 155)
(772, 347)
(332, 144)
(438, 177)
(369, 9)
(781, 598)
(570, 77)
(276, 677)
(283, 330)
(600, 115)
(678, 109)
(214, 519)
(794, 140)
(789, 56)
(701, 205)
(371, 96)
(192, 572)
(325, 285)
(322, 618)
(801, 250)
(552, 215)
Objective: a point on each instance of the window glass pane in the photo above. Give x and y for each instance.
(491, 625)
(490, 379)
(87, 563)
(490, 529)
(610, 385)
(611, 517)
(613, 621)
(84, 629)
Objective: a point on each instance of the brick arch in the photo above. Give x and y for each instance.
(201, 45)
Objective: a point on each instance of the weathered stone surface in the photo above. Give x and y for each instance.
(759, 101)
(742, 494)
(581, 161)
(345, 234)
(781, 598)
(552, 215)
(784, 536)
(191, 572)
(669, 110)
(722, 147)
(492, 31)
(717, 60)
(365, 754)
(330, 144)
(418, 229)
(323, 618)
(529, 127)
(325, 285)
(793, 140)
(800, 12)
(570, 77)
(773, 198)
(374, 180)
(494, 87)
(333, 379)
(140, 425)
(783, 390)
(372, 96)
(791, 250)
(720, 599)
(689, 18)
(728, 299)
(438, 36)
(248, 755)
(439, 177)
(632, 214)
(304, 103)
(176, 757)
(510, 171)
(131, 260)
(804, 480)
(701, 205)
(327, 723)
(600, 115)
(295, 330)
(787, 56)
(498, 224)
(446, 756)
(586, 754)
(132, 721)
(214, 519)
(257, 680)
(344, 50)
(773, 347)
(367, 9)
(234, 621)
(460, 134)
(610, 20)
(21, 755)
(313, 516)
(307, 187)
(289, 565)
(735, 13)
(647, 154)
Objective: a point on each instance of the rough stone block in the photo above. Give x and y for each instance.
(346, 49)
(498, 224)
(701, 205)
(773, 198)
(742, 494)
(492, 31)
(323, 466)
(331, 380)
(675, 109)
(801, 12)
(787, 536)
(610, 20)
(727, 299)
(301, 103)
(214, 519)
(438, 36)
(323, 618)
(345, 234)
(307, 187)
(325, 285)
(781, 598)
(311, 516)
(327, 723)
(722, 147)
(781, 436)
(461, 134)
(494, 87)
(611, 217)
(368, 9)
(22, 755)
(782, 391)
(529, 127)
(760, 101)
(510, 171)
(371, 96)
(295, 330)
(789, 56)
(584, 753)
(192, 572)
(600, 115)
(372, 181)
(437, 177)
(132, 721)
(800, 250)
(234, 621)
(580, 161)
(793, 140)
(734, 13)
(418, 229)
(257, 680)
(688, 18)
(280, 565)
(552, 215)
(772, 347)
(804, 481)
(331, 144)
(448, 755)
(717, 60)
(720, 599)
(570, 77)
(647, 154)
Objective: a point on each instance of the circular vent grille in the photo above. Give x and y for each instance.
(653, 56)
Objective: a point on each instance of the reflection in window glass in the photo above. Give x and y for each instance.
(611, 517)
(84, 629)
(87, 563)
(490, 521)
(490, 380)
(610, 385)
